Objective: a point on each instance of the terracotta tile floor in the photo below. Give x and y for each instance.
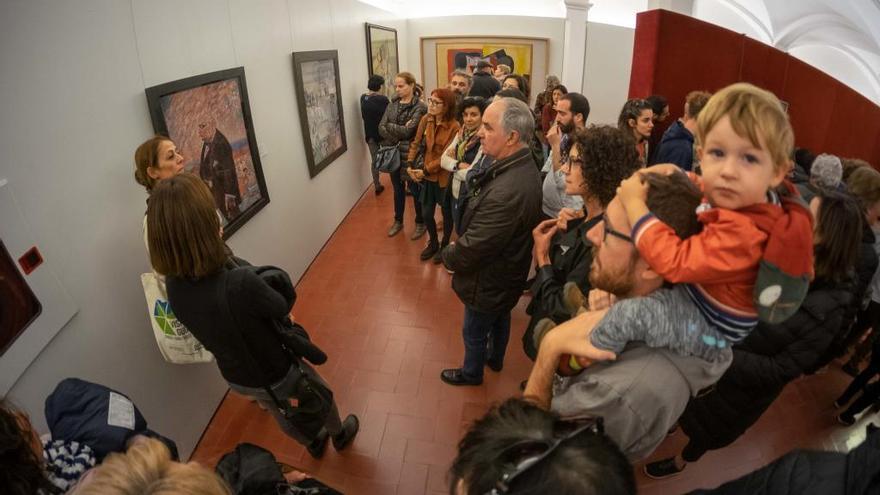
(390, 323)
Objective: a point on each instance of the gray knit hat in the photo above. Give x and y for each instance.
(826, 171)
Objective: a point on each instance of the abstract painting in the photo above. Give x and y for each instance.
(318, 95)
(209, 119)
(382, 56)
(464, 54)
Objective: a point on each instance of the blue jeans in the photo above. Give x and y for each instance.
(400, 195)
(485, 339)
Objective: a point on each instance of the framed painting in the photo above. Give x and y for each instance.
(382, 55)
(442, 55)
(209, 119)
(316, 76)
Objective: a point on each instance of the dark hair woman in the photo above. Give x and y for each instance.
(232, 309)
(436, 130)
(397, 128)
(464, 150)
(774, 355)
(21, 456)
(637, 119)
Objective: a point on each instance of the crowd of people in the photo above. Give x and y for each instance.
(679, 280)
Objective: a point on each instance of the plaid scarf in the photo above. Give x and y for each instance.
(466, 140)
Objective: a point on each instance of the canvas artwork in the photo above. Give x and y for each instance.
(464, 55)
(208, 118)
(320, 108)
(18, 304)
(382, 55)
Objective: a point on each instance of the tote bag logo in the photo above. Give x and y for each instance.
(164, 316)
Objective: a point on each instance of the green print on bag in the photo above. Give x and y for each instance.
(164, 316)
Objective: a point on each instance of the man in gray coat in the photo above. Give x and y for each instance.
(642, 393)
(491, 258)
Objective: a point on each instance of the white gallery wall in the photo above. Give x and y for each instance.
(72, 93)
(607, 68)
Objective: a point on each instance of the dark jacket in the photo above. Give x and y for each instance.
(258, 298)
(804, 472)
(372, 109)
(491, 258)
(570, 259)
(676, 146)
(398, 125)
(768, 359)
(485, 85)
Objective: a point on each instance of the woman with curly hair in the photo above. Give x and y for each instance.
(600, 158)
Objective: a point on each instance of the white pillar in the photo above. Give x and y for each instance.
(574, 52)
(685, 7)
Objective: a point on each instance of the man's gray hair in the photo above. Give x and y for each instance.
(459, 72)
(518, 117)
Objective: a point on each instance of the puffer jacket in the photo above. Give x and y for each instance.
(398, 125)
(491, 259)
(768, 359)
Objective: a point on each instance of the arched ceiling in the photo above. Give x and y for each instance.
(841, 37)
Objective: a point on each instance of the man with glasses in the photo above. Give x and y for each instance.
(642, 393)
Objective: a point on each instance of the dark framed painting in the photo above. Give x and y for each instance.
(316, 76)
(209, 119)
(19, 307)
(382, 55)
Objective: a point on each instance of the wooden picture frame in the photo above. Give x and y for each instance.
(379, 55)
(318, 96)
(209, 119)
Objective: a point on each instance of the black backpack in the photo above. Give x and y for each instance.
(252, 470)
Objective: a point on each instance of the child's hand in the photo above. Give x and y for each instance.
(599, 299)
(662, 169)
(633, 189)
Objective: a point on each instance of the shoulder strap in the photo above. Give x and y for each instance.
(223, 302)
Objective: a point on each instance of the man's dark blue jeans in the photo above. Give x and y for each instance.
(485, 339)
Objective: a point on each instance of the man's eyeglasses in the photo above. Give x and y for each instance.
(524, 455)
(610, 231)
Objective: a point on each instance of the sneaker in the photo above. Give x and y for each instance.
(664, 468)
(430, 250)
(846, 420)
(420, 231)
(456, 377)
(350, 428)
(396, 227)
(378, 189)
(319, 444)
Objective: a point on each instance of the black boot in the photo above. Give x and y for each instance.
(430, 250)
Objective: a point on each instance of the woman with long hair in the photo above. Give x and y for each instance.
(637, 119)
(774, 355)
(234, 310)
(397, 128)
(436, 130)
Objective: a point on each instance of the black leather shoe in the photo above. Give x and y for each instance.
(456, 377)
(350, 428)
(430, 250)
(438, 256)
(319, 444)
(496, 367)
(378, 189)
(661, 469)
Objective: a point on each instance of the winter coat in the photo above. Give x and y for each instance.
(491, 259)
(436, 136)
(803, 472)
(483, 84)
(398, 125)
(768, 359)
(676, 146)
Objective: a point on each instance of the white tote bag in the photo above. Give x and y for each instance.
(175, 341)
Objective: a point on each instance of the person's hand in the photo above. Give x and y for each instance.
(463, 166)
(418, 175)
(554, 136)
(599, 299)
(662, 169)
(633, 191)
(295, 476)
(413, 174)
(543, 234)
(565, 215)
(573, 337)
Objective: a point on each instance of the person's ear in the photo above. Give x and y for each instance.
(513, 138)
(153, 172)
(699, 153)
(631, 122)
(779, 174)
(648, 274)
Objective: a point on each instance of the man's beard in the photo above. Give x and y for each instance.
(620, 283)
(567, 128)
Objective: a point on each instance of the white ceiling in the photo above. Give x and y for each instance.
(841, 37)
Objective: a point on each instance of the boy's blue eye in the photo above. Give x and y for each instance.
(716, 153)
(751, 158)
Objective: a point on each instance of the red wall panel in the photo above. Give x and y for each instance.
(675, 54)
